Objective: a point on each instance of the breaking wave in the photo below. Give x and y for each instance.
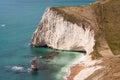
(18, 69)
(3, 25)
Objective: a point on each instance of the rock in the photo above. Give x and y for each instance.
(59, 32)
(50, 55)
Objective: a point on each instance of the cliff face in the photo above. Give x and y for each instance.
(74, 28)
(58, 32)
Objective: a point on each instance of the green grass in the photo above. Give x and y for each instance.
(98, 12)
(69, 17)
(112, 26)
(95, 53)
(108, 19)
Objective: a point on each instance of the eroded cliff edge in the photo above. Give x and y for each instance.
(81, 28)
(67, 28)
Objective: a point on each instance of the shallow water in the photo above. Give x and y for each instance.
(18, 20)
(50, 69)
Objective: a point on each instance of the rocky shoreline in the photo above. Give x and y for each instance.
(83, 29)
(83, 68)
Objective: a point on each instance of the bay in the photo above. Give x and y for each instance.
(18, 21)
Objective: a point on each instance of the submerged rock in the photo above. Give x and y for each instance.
(50, 55)
(62, 31)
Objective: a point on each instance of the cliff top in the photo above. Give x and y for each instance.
(104, 18)
(108, 17)
(77, 14)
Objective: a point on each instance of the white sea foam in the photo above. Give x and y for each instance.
(66, 70)
(18, 68)
(67, 73)
(3, 25)
(87, 61)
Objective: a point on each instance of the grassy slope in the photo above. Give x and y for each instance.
(112, 25)
(75, 15)
(108, 17)
(78, 15)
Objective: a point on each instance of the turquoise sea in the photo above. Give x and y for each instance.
(18, 21)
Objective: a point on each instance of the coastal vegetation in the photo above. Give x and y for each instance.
(107, 14)
(68, 16)
(102, 17)
(108, 17)
(112, 25)
(99, 25)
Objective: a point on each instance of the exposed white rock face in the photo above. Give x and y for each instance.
(58, 33)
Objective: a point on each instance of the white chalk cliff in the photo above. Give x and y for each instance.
(59, 33)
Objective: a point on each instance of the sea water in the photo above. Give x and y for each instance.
(18, 21)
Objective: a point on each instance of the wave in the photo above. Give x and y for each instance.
(78, 60)
(18, 69)
(66, 71)
(3, 25)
